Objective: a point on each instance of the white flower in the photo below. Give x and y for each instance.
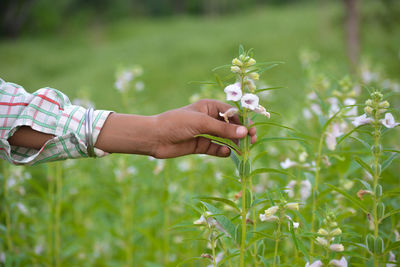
(349, 102)
(250, 101)
(312, 96)
(392, 258)
(330, 141)
(22, 208)
(339, 263)
(261, 110)
(303, 156)
(287, 164)
(336, 130)
(314, 264)
(139, 86)
(389, 121)
(334, 105)
(229, 113)
(305, 189)
(207, 219)
(265, 218)
(271, 211)
(337, 247)
(233, 92)
(361, 120)
(316, 109)
(290, 188)
(322, 241)
(307, 114)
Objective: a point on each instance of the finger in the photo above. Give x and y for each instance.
(252, 131)
(222, 129)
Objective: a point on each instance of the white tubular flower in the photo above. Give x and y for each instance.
(307, 113)
(305, 189)
(389, 121)
(337, 247)
(233, 92)
(339, 263)
(349, 102)
(314, 264)
(287, 164)
(290, 188)
(336, 231)
(322, 231)
(271, 211)
(229, 113)
(265, 218)
(330, 141)
(250, 101)
(261, 110)
(251, 85)
(235, 69)
(292, 206)
(237, 62)
(361, 120)
(296, 225)
(254, 75)
(316, 109)
(322, 241)
(303, 156)
(251, 62)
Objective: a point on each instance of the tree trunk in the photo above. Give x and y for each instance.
(352, 33)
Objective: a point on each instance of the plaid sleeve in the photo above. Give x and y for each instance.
(49, 111)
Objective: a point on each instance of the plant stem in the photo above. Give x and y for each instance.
(166, 213)
(57, 227)
(50, 205)
(6, 209)
(277, 238)
(376, 174)
(244, 213)
(254, 225)
(314, 192)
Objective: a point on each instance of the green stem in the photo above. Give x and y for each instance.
(244, 213)
(10, 245)
(314, 192)
(57, 228)
(254, 226)
(213, 245)
(277, 238)
(376, 174)
(166, 214)
(50, 206)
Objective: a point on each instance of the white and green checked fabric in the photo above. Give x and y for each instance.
(49, 111)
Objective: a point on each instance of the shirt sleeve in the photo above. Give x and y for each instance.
(48, 111)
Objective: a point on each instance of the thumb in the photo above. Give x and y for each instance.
(222, 129)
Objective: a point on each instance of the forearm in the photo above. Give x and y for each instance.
(131, 134)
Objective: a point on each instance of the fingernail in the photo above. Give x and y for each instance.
(241, 130)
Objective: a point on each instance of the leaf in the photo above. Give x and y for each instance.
(223, 200)
(267, 68)
(271, 124)
(366, 185)
(219, 82)
(350, 198)
(259, 155)
(390, 213)
(363, 164)
(268, 139)
(241, 50)
(348, 134)
(267, 89)
(330, 120)
(361, 141)
(221, 67)
(393, 246)
(297, 242)
(222, 219)
(224, 259)
(388, 161)
(235, 158)
(221, 140)
(269, 170)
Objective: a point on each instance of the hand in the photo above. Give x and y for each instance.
(175, 130)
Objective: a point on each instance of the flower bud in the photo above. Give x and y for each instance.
(369, 102)
(369, 241)
(381, 210)
(292, 206)
(376, 149)
(322, 231)
(377, 169)
(378, 191)
(247, 58)
(336, 231)
(251, 62)
(332, 224)
(237, 62)
(235, 69)
(379, 245)
(322, 241)
(254, 76)
(384, 104)
(367, 109)
(337, 247)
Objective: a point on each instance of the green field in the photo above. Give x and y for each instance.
(104, 213)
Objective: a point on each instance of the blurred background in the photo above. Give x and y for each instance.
(77, 45)
(122, 210)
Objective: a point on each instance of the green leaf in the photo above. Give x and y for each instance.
(366, 185)
(297, 242)
(267, 68)
(270, 139)
(220, 140)
(388, 161)
(269, 170)
(365, 144)
(350, 198)
(220, 199)
(221, 67)
(235, 158)
(241, 50)
(348, 134)
(390, 213)
(222, 219)
(393, 246)
(228, 258)
(330, 120)
(267, 89)
(259, 155)
(271, 124)
(219, 82)
(363, 164)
